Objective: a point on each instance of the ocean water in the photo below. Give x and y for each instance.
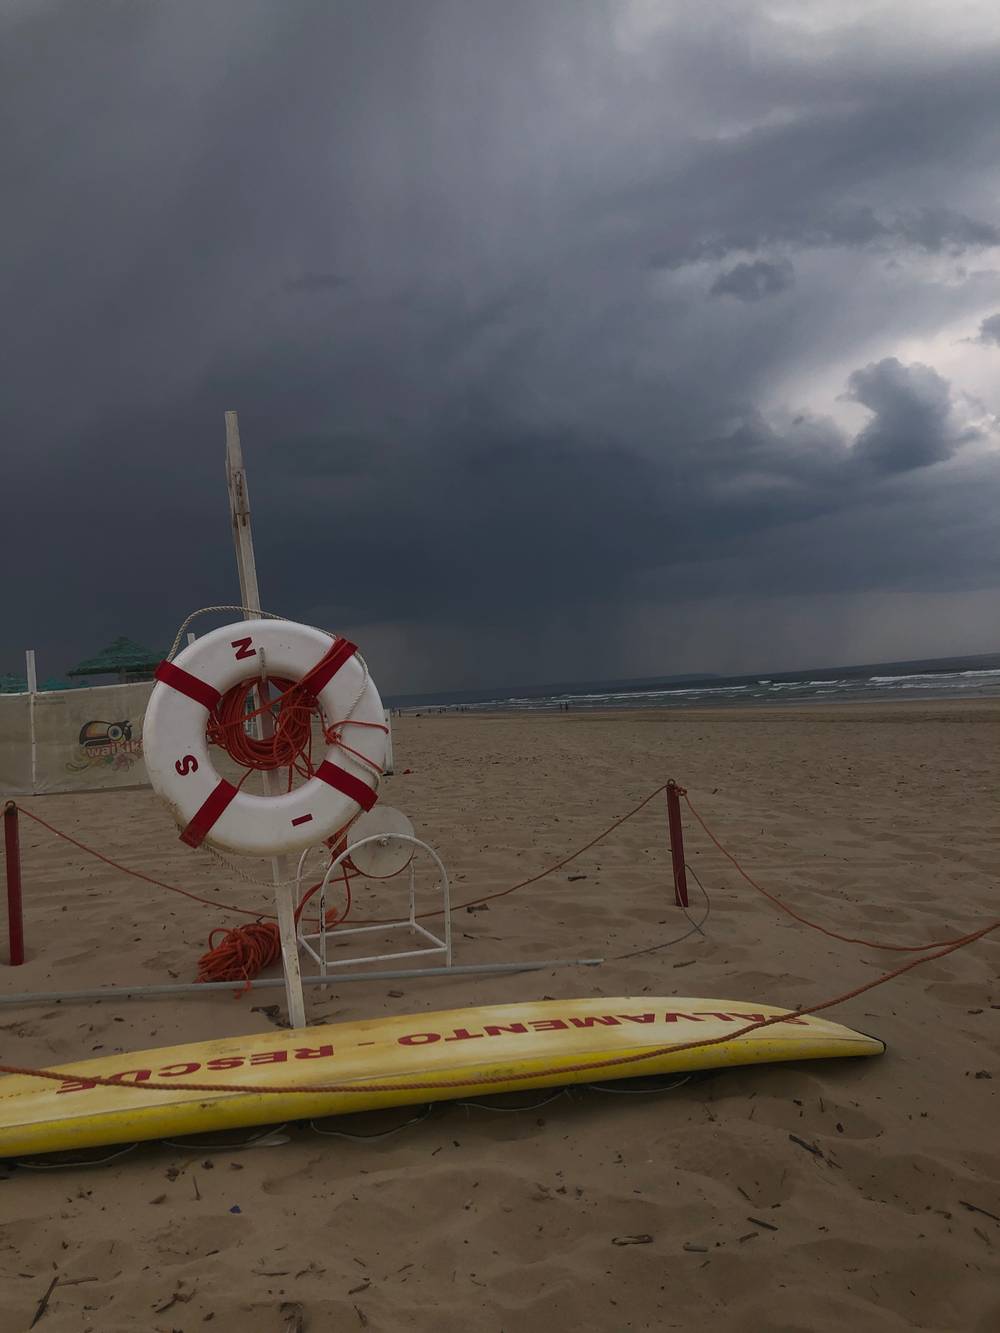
(942, 678)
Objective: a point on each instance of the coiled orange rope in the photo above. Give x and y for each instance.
(291, 723)
(245, 951)
(289, 746)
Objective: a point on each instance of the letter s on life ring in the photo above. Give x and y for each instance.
(210, 809)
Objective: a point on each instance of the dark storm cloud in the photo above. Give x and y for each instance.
(930, 230)
(315, 282)
(989, 330)
(754, 282)
(570, 520)
(912, 423)
(937, 229)
(450, 263)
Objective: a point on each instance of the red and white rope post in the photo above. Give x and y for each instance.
(12, 857)
(674, 794)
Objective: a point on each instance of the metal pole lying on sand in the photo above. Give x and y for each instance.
(12, 856)
(677, 843)
(274, 983)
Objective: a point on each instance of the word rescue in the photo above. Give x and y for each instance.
(187, 1068)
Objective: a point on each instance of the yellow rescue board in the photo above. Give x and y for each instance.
(394, 1062)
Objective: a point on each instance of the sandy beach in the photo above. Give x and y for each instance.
(782, 1199)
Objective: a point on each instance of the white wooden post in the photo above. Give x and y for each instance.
(390, 767)
(239, 513)
(31, 672)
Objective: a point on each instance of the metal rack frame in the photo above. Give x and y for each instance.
(435, 944)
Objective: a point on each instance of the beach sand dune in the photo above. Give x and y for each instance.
(783, 1199)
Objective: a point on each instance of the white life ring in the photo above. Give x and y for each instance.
(210, 809)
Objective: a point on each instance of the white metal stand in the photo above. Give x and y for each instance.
(434, 945)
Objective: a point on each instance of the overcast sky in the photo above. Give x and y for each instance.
(569, 339)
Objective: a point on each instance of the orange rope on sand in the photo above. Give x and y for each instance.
(612, 1062)
(243, 953)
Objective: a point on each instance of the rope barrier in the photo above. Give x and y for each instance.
(245, 951)
(533, 879)
(138, 874)
(269, 916)
(814, 925)
(941, 950)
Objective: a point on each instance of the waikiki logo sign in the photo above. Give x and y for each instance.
(108, 744)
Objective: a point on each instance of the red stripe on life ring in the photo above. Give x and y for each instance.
(327, 667)
(345, 782)
(201, 823)
(182, 681)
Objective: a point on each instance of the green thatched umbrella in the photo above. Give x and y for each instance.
(124, 658)
(12, 684)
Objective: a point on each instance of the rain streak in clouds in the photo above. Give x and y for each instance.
(568, 340)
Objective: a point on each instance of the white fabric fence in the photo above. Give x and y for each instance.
(73, 740)
(15, 744)
(81, 740)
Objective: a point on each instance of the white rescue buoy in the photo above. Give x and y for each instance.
(178, 759)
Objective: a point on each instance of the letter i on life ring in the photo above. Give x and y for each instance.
(207, 807)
